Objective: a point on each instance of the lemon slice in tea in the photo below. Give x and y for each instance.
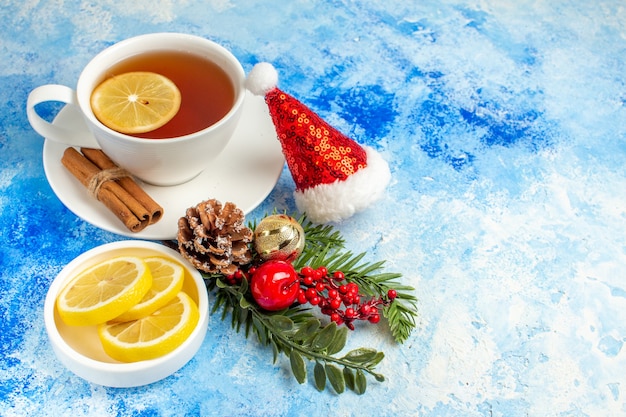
(136, 102)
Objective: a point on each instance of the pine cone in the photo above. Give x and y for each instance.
(214, 238)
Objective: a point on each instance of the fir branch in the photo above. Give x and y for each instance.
(320, 236)
(299, 335)
(401, 313)
(325, 247)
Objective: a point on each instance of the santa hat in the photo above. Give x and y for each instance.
(335, 176)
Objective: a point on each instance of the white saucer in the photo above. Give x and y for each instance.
(245, 173)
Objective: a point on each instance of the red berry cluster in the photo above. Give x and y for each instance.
(276, 285)
(332, 292)
(234, 279)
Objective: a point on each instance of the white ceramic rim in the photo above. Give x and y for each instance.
(121, 368)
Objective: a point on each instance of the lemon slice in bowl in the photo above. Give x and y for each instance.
(135, 102)
(167, 281)
(104, 291)
(153, 336)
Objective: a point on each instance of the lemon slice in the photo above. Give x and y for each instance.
(104, 291)
(135, 102)
(167, 281)
(152, 336)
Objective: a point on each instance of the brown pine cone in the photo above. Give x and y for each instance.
(214, 238)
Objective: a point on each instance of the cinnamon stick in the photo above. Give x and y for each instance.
(119, 201)
(102, 161)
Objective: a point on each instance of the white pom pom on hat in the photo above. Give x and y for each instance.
(335, 176)
(262, 79)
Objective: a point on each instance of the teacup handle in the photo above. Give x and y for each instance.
(63, 94)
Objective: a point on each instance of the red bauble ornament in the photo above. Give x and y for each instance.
(274, 285)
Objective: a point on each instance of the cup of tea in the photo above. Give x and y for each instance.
(211, 84)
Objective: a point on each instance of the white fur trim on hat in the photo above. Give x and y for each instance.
(341, 199)
(262, 79)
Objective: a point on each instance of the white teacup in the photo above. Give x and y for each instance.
(168, 161)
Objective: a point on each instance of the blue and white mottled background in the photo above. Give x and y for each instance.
(504, 123)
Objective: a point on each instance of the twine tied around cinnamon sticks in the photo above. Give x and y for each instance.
(110, 174)
(113, 186)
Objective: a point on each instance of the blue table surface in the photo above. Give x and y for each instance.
(504, 124)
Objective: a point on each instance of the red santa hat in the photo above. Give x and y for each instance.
(335, 176)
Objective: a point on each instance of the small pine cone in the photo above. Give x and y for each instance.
(214, 238)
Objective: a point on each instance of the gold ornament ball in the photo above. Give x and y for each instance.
(279, 238)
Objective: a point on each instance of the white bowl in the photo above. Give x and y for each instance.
(79, 348)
